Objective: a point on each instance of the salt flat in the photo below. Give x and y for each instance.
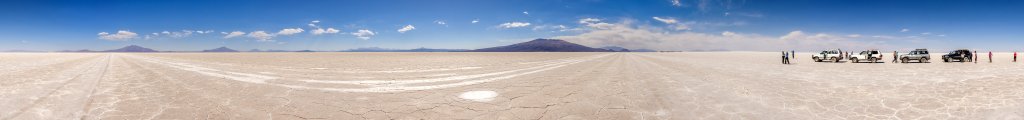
(689, 85)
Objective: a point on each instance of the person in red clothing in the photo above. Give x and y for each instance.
(1014, 56)
(989, 56)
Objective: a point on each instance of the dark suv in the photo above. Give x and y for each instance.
(962, 55)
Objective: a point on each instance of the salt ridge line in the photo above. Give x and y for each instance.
(416, 88)
(244, 77)
(372, 82)
(349, 71)
(452, 78)
(260, 79)
(358, 82)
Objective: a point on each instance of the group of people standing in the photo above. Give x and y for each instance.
(787, 56)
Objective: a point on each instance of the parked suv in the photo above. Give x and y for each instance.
(962, 55)
(868, 55)
(921, 55)
(832, 55)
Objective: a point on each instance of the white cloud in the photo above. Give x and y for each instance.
(364, 34)
(261, 36)
(595, 23)
(905, 30)
(552, 28)
(233, 34)
(666, 20)
(854, 35)
(204, 32)
(941, 35)
(439, 22)
(313, 23)
(926, 33)
(319, 31)
(514, 24)
(589, 20)
(290, 31)
(624, 34)
(121, 35)
(676, 3)
(183, 33)
(475, 21)
(727, 33)
(526, 13)
(406, 28)
(220, 33)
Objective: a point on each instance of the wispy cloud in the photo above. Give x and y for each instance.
(233, 34)
(406, 28)
(625, 34)
(595, 23)
(121, 35)
(905, 30)
(475, 21)
(514, 24)
(666, 20)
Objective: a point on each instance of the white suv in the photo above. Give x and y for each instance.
(833, 55)
(868, 55)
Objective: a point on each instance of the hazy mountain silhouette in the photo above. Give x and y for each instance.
(643, 50)
(378, 49)
(221, 49)
(615, 48)
(542, 45)
(132, 48)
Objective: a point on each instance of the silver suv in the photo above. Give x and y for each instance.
(921, 55)
(833, 55)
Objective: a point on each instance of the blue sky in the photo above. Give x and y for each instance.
(753, 25)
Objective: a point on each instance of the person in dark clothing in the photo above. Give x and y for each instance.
(989, 56)
(783, 57)
(894, 54)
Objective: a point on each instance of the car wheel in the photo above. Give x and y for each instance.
(834, 59)
(855, 60)
(904, 60)
(816, 59)
(923, 60)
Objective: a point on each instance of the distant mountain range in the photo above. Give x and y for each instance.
(221, 49)
(132, 48)
(542, 45)
(378, 49)
(536, 45)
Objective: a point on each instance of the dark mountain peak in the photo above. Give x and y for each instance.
(542, 45)
(221, 49)
(132, 48)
